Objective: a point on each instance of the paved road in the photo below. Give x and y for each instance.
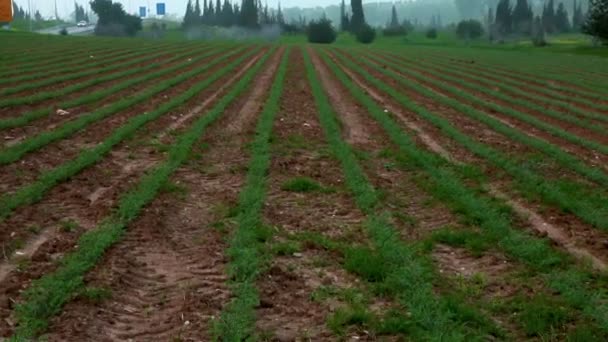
(73, 30)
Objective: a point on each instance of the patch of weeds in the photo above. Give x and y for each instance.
(395, 322)
(323, 293)
(34, 229)
(350, 316)
(301, 184)
(159, 146)
(22, 263)
(295, 141)
(366, 263)
(320, 262)
(263, 233)
(472, 241)
(69, 226)
(285, 248)
(173, 188)
(470, 317)
(95, 295)
(541, 315)
(220, 226)
(390, 166)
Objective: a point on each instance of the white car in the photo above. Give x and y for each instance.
(82, 24)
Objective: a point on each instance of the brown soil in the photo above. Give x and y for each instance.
(287, 311)
(166, 277)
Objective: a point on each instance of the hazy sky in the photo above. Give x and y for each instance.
(46, 7)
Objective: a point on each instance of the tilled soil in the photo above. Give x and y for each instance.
(166, 277)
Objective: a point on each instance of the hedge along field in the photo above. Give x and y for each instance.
(368, 147)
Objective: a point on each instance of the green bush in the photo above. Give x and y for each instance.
(469, 29)
(63, 32)
(321, 32)
(366, 34)
(431, 33)
(395, 31)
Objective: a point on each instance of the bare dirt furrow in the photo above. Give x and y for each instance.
(287, 311)
(167, 276)
(31, 165)
(586, 243)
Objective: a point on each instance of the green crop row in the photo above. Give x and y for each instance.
(575, 199)
(79, 65)
(556, 131)
(34, 192)
(47, 295)
(39, 96)
(404, 273)
(97, 68)
(517, 93)
(505, 81)
(32, 115)
(15, 152)
(447, 183)
(237, 320)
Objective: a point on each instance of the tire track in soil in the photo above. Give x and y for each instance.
(86, 199)
(27, 169)
(299, 150)
(16, 111)
(585, 242)
(167, 275)
(417, 215)
(486, 135)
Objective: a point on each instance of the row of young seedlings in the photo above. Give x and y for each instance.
(97, 68)
(439, 80)
(106, 57)
(577, 284)
(35, 191)
(159, 69)
(523, 63)
(505, 82)
(47, 295)
(580, 200)
(15, 152)
(108, 73)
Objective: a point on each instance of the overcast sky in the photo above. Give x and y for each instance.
(46, 7)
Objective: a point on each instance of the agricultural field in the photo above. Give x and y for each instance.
(192, 191)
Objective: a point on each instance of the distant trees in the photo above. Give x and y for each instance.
(596, 24)
(357, 20)
(578, 17)
(79, 13)
(113, 20)
(522, 18)
(19, 12)
(366, 34)
(344, 18)
(394, 28)
(249, 14)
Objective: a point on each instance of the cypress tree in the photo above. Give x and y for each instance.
(249, 14)
(394, 20)
(522, 17)
(596, 23)
(549, 17)
(281, 18)
(358, 19)
(562, 21)
(218, 13)
(189, 16)
(504, 17)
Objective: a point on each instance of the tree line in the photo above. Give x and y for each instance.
(250, 14)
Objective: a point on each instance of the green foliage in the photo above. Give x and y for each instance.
(431, 33)
(321, 31)
(597, 20)
(63, 32)
(469, 29)
(366, 34)
(301, 184)
(113, 20)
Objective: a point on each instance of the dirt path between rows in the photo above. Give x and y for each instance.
(167, 276)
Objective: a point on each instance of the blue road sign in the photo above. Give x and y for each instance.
(142, 11)
(160, 8)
